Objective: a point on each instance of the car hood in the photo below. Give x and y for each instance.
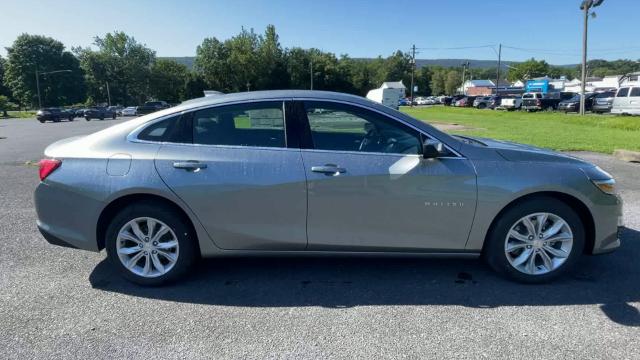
(512, 151)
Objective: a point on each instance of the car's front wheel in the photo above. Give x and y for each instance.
(151, 244)
(535, 241)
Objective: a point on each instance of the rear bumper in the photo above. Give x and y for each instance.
(65, 217)
(601, 108)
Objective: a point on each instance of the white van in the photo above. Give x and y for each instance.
(388, 97)
(627, 101)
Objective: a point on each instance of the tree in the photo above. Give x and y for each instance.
(272, 69)
(168, 81)
(3, 89)
(31, 53)
(452, 82)
(528, 70)
(212, 64)
(4, 105)
(121, 68)
(194, 86)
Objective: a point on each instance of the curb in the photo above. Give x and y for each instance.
(627, 155)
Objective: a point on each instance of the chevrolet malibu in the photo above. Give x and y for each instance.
(315, 173)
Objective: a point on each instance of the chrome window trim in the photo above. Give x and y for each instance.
(133, 136)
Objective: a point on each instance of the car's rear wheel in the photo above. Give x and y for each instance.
(87, 118)
(151, 244)
(535, 241)
(113, 116)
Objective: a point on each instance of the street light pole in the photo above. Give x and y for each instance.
(38, 81)
(38, 88)
(413, 69)
(585, 6)
(584, 59)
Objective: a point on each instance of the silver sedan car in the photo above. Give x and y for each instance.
(315, 173)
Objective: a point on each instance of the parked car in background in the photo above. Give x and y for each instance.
(486, 102)
(425, 101)
(602, 102)
(466, 101)
(534, 101)
(54, 114)
(510, 103)
(80, 112)
(573, 104)
(117, 109)
(151, 106)
(99, 112)
(404, 102)
(129, 111)
(160, 191)
(627, 101)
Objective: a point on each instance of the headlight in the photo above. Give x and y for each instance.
(601, 179)
(606, 186)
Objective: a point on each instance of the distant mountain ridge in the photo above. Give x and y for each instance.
(188, 61)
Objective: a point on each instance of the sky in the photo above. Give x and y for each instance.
(544, 29)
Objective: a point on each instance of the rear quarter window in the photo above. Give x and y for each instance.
(635, 91)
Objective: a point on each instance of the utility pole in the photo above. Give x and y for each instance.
(311, 72)
(38, 88)
(108, 93)
(413, 69)
(465, 65)
(584, 59)
(498, 69)
(585, 6)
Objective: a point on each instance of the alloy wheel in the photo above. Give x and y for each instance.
(147, 247)
(538, 243)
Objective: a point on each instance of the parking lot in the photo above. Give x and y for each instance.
(62, 303)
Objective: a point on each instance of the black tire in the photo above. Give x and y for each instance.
(88, 118)
(187, 241)
(482, 106)
(70, 118)
(101, 117)
(113, 116)
(494, 249)
(42, 121)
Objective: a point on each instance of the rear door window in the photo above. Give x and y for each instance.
(252, 124)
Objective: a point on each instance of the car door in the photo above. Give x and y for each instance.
(239, 177)
(369, 189)
(634, 100)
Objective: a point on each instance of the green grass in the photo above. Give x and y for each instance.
(20, 114)
(559, 131)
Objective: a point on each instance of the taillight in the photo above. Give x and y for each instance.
(47, 166)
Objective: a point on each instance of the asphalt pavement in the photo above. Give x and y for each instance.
(63, 303)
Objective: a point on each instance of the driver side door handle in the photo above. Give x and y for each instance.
(329, 169)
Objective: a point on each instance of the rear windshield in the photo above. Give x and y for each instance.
(603, 95)
(530, 96)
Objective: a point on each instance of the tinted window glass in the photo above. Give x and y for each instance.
(348, 128)
(157, 131)
(604, 95)
(255, 124)
(622, 92)
(635, 91)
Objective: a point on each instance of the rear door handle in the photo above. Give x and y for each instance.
(329, 169)
(190, 165)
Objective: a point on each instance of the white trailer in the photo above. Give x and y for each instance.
(386, 96)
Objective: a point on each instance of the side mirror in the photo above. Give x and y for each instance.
(432, 149)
